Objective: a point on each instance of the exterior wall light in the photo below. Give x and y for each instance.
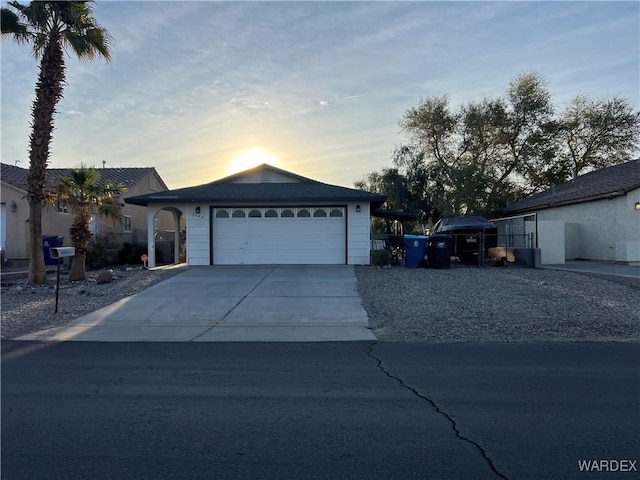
(13, 207)
(637, 205)
(197, 210)
(358, 208)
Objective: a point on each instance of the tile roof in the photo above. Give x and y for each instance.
(604, 183)
(228, 191)
(129, 177)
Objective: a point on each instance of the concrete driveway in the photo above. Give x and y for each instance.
(231, 304)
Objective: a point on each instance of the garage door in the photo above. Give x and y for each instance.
(286, 235)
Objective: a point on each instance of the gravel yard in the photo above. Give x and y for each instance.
(496, 304)
(404, 304)
(27, 309)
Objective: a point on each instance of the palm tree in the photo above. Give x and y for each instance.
(51, 29)
(84, 195)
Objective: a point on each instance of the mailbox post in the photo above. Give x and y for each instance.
(59, 253)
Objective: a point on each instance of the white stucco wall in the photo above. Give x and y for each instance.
(198, 233)
(358, 234)
(551, 242)
(571, 241)
(606, 226)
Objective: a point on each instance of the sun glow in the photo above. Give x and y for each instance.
(251, 158)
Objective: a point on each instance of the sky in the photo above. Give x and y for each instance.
(201, 89)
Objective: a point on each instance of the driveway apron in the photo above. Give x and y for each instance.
(231, 304)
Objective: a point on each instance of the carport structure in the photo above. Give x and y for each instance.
(266, 215)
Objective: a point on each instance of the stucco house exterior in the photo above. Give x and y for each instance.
(595, 216)
(266, 215)
(56, 219)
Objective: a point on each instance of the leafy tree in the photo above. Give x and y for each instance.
(50, 28)
(84, 195)
(597, 133)
(393, 184)
(476, 154)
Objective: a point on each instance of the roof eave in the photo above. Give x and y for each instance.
(545, 206)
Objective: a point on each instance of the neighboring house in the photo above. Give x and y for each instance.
(266, 215)
(56, 219)
(593, 217)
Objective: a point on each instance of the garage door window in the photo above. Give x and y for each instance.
(300, 212)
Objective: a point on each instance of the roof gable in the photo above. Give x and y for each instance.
(264, 173)
(257, 185)
(128, 176)
(604, 183)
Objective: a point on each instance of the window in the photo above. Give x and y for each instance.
(336, 212)
(93, 224)
(238, 214)
(319, 213)
(126, 223)
(303, 213)
(63, 208)
(222, 214)
(286, 213)
(255, 214)
(271, 213)
(152, 183)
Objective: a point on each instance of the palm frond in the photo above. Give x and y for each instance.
(12, 27)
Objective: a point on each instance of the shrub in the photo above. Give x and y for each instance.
(381, 257)
(101, 252)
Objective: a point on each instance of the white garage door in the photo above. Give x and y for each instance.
(285, 235)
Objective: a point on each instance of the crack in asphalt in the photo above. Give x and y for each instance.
(236, 305)
(454, 425)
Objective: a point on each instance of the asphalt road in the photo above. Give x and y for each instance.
(357, 410)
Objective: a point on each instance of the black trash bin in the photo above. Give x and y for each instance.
(439, 251)
(47, 243)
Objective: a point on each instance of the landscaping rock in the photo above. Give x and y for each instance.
(104, 277)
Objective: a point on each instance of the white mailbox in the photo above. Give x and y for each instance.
(61, 252)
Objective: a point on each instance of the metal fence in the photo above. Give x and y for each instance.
(474, 248)
(467, 249)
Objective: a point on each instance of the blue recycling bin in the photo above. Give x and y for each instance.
(414, 249)
(47, 243)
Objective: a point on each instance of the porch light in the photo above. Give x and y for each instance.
(14, 207)
(637, 205)
(197, 210)
(358, 208)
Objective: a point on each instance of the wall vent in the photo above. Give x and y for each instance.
(266, 176)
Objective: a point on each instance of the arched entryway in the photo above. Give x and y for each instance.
(165, 241)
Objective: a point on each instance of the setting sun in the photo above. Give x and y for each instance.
(251, 158)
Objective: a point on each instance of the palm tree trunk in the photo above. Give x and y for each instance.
(80, 236)
(37, 269)
(77, 272)
(48, 93)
